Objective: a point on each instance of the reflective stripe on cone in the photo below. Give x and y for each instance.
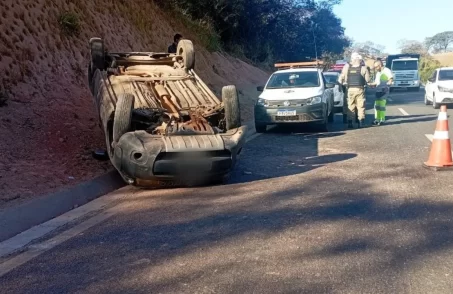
(440, 155)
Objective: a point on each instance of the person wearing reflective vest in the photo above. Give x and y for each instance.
(384, 78)
(355, 76)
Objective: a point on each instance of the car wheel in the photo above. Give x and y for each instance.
(232, 110)
(123, 115)
(260, 128)
(426, 100)
(435, 104)
(322, 127)
(97, 54)
(331, 117)
(186, 50)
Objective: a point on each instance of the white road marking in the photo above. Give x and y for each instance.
(39, 249)
(15, 243)
(403, 111)
(12, 245)
(21, 240)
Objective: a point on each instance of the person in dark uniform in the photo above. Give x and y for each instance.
(173, 47)
(355, 77)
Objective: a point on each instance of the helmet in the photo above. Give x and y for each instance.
(356, 56)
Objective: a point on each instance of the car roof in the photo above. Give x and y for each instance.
(297, 70)
(446, 68)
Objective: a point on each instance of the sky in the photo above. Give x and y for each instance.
(392, 20)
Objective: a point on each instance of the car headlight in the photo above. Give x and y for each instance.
(443, 89)
(314, 100)
(416, 82)
(262, 102)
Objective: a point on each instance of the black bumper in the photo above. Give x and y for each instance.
(142, 158)
(304, 114)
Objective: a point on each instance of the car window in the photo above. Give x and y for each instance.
(303, 79)
(446, 75)
(405, 65)
(433, 77)
(331, 78)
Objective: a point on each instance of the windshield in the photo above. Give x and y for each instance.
(330, 78)
(302, 79)
(405, 65)
(446, 75)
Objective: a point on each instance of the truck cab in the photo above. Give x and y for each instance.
(405, 69)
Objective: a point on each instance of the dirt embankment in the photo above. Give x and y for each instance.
(445, 59)
(49, 128)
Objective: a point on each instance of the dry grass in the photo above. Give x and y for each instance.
(44, 73)
(69, 23)
(445, 59)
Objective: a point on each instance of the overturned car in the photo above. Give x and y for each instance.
(162, 124)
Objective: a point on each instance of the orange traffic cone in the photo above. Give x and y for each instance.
(440, 156)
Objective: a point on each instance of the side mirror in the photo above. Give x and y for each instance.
(330, 85)
(260, 88)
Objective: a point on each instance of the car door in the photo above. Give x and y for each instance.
(429, 86)
(327, 95)
(434, 85)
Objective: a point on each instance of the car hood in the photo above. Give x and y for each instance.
(291, 93)
(446, 84)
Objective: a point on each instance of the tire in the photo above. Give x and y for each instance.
(426, 100)
(123, 115)
(230, 100)
(435, 104)
(97, 54)
(90, 78)
(186, 50)
(331, 117)
(260, 128)
(323, 126)
(391, 90)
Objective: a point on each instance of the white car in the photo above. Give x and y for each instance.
(332, 77)
(439, 88)
(293, 96)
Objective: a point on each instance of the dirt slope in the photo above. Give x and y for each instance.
(49, 128)
(445, 59)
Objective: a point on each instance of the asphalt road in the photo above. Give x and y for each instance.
(349, 211)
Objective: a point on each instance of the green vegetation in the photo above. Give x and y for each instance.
(438, 43)
(427, 66)
(264, 31)
(69, 23)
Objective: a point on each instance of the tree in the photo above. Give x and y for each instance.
(412, 46)
(427, 66)
(270, 30)
(441, 42)
(366, 49)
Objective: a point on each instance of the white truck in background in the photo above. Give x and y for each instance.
(405, 69)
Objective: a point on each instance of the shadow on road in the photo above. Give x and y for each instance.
(283, 151)
(238, 241)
